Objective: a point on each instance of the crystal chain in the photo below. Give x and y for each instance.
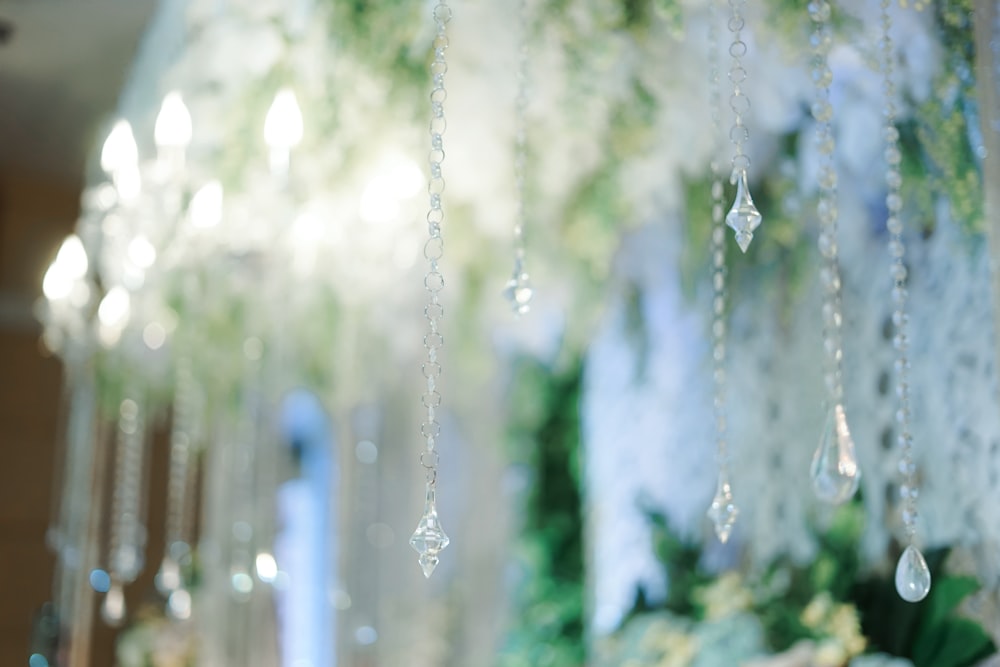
(722, 511)
(177, 546)
(834, 472)
(429, 539)
(912, 575)
(518, 290)
(743, 216)
(822, 111)
(127, 534)
(738, 101)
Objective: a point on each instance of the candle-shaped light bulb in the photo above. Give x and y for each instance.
(283, 124)
(173, 123)
(120, 159)
(69, 266)
(119, 151)
(282, 130)
(205, 209)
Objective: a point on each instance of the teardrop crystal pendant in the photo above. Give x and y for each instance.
(518, 290)
(913, 577)
(113, 607)
(743, 217)
(835, 472)
(429, 539)
(723, 511)
(168, 579)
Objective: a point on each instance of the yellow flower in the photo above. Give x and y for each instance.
(845, 626)
(680, 650)
(816, 612)
(670, 646)
(724, 597)
(830, 653)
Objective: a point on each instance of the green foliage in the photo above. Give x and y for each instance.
(681, 560)
(931, 633)
(545, 436)
(794, 602)
(942, 161)
(384, 35)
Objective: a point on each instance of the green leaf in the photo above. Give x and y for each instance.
(959, 642)
(945, 597)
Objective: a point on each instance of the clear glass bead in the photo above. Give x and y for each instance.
(819, 10)
(822, 111)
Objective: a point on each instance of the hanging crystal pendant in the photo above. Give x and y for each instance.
(913, 577)
(723, 511)
(518, 290)
(429, 539)
(835, 472)
(113, 607)
(168, 579)
(743, 217)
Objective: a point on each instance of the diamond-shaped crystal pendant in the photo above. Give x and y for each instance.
(835, 473)
(518, 290)
(913, 577)
(743, 217)
(723, 511)
(429, 539)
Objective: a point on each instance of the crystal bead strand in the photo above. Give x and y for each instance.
(835, 473)
(723, 511)
(127, 539)
(429, 539)
(177, 549)
(518, 290)
(913, 578)
(743, 216)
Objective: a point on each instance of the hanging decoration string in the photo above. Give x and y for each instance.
(913, 577)
(743, 216)
(127, 535)
(429, 539)
(834, 472)
(177, 538)
(723, 510)
(518, 290)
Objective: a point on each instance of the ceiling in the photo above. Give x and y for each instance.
(61, 70)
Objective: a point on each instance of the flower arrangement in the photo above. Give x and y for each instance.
(827, 613)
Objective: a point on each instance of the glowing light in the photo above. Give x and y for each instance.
(205, 209)
(308, 228)
(100, 580)
(179, 604)
(72, 257)
(128, 182)
(69, 266)
(267, 567)
(141, 252)
(115, 307)
(283, 124)
(119, 151)
(173, 123)
(242, 583)
(154, 335)
(381, 198)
